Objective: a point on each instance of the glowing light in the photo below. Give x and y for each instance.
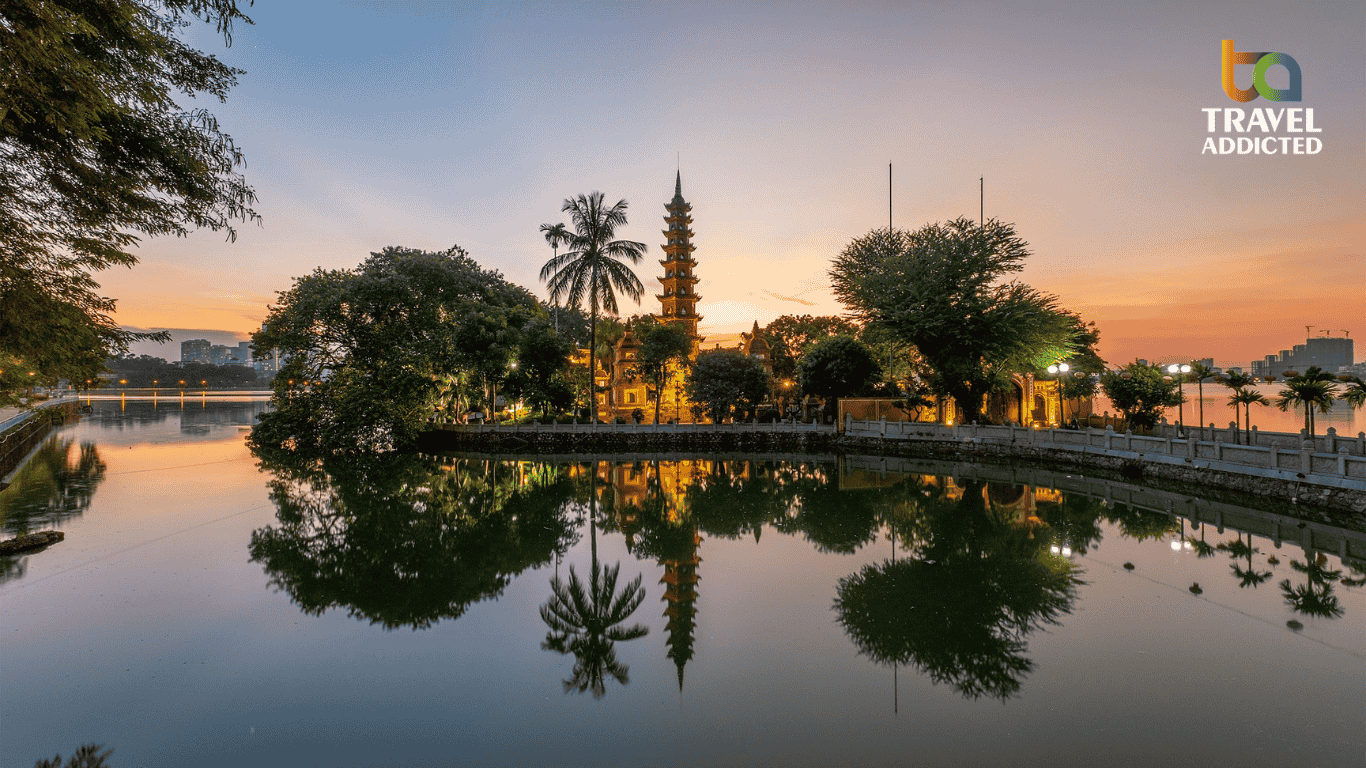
(1176, 546)
(1066, 551)
(1054, 550)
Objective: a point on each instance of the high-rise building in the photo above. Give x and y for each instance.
(195, 351)
(1327, 353)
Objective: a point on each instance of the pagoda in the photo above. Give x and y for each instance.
(678, 303)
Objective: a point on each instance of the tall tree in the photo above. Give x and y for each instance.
(556, 235)
(95, 151)
(592, 269)
(1247, 397)
(1355, 393)
(1239, 383)
(1313, 389)
(942, 289)
(379, 341)
(1200, 372)
(663, 347)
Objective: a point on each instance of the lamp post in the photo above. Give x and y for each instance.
(1179, 373)
(1055, 370)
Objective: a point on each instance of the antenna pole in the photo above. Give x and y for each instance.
(889, 198)
(982, 201)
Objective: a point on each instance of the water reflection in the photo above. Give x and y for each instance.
(976, 567)
(1314, 597)
(974, 582)
(587, 623)
(53, 487)
(399, 542)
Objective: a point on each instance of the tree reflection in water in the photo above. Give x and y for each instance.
(976, 584)
(1315, 597)
(52, 487)
(399, 540)
(585, 622)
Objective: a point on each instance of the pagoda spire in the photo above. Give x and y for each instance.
(678, 302)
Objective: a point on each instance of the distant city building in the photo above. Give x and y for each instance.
(1208, 362)
(195, 351)
(1330, 354)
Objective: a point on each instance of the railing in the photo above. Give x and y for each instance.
(21, 434)
(1277, 455)
(640, 429)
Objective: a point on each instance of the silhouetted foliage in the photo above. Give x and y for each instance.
(399, 542)
(584, 621)
(961, 606)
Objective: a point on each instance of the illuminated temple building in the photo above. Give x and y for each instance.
(677, 306)
(1027, 400)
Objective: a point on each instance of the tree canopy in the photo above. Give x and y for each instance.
(943, 289)
(593, 267)
(663, 347)
(725, 382)
(838, 367)
(94, 152)
(1140, 392)
(792, 336)
(372, 352)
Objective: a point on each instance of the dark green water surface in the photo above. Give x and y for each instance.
(212, 607)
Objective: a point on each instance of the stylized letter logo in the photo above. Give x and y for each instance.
(1262, 62)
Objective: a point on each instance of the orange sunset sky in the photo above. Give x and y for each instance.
(432, 124)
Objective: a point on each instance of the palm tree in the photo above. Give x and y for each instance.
(591, 268)
(610, 331)
(1312, 389)
(584, 622)
(1200, 372)
(556, 235)
(1236, 382)
(1355, 394)
(1247, 398)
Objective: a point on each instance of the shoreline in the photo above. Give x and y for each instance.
(1338, 500)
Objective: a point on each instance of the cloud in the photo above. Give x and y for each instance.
(791, 298)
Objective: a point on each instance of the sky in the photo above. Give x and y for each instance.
(431, 124)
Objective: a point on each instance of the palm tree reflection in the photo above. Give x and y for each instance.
(1315, 597)
(585, 621)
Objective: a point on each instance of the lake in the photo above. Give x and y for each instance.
(212, 607)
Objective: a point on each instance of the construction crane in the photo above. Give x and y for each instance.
(1308, 331)
(1346, 334)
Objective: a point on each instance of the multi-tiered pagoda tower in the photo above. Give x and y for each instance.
(679, 301)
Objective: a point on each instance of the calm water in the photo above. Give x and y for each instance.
(209, 607)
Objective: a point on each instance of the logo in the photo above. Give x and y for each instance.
(1261, 130)
(1261, 63)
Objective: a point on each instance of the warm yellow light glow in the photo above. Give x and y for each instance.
(1176, 546)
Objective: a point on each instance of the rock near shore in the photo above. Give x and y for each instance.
(30, 542)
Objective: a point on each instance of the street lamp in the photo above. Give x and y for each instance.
(1179, 372)
(1054, 370)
